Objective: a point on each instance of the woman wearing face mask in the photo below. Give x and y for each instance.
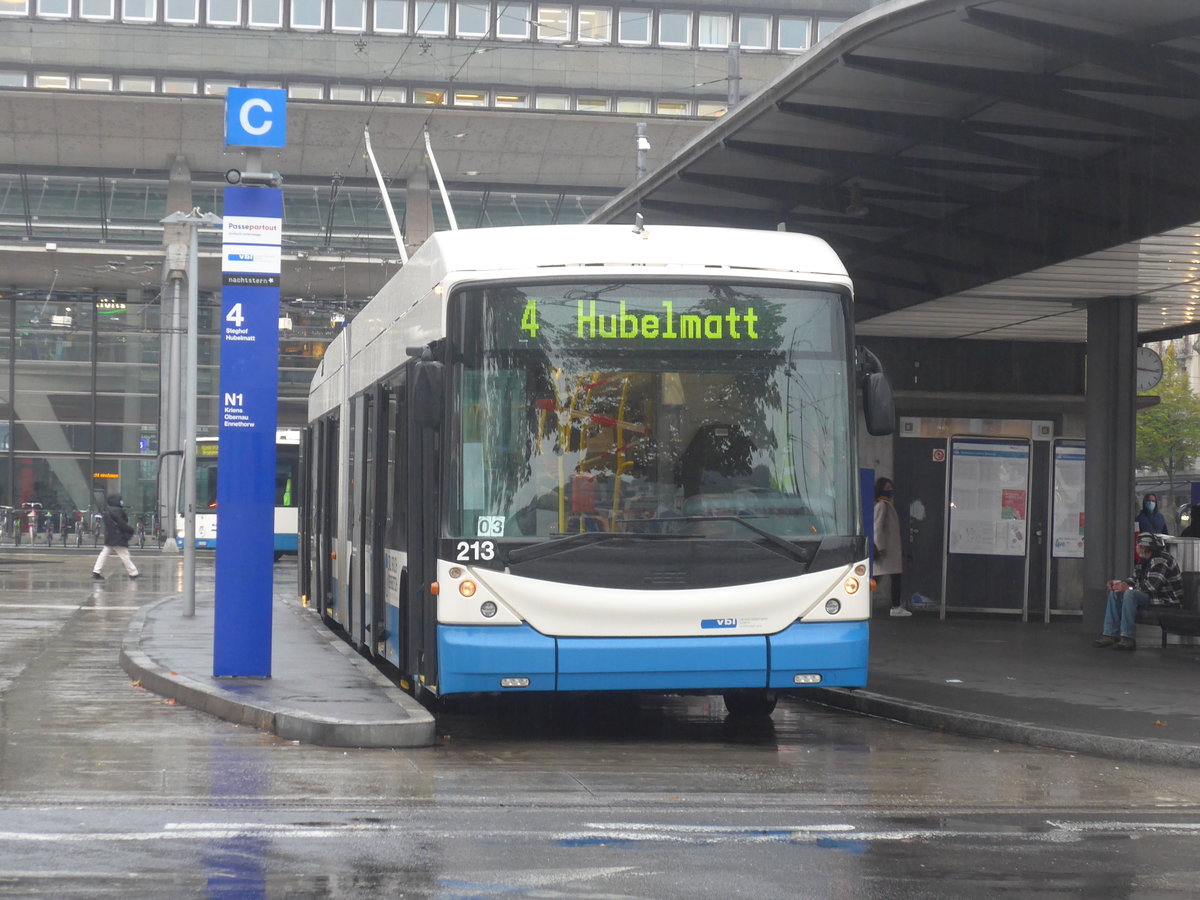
(1149, 518)
(889, 559)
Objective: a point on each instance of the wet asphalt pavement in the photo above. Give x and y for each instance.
(109, 790)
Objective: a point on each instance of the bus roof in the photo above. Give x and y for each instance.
(542, 247)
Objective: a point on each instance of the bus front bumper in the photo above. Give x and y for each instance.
(486, 659)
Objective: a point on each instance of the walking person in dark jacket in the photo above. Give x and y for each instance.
(117, 532)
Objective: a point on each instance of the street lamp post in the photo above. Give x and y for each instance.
(192, 221)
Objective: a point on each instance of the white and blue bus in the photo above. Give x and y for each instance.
(287, 493)
(597, 458)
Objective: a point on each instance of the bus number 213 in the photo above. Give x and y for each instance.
(469, 550)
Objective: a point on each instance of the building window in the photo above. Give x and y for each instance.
(470, 98)
(216, 88)
(710, 108)
(12, 79)
(713, 29)
(512, 21)
(14, 7)
(634, 106)
(673, 107)
(826, 27)
(391, 16)
(471, 19)
(553, 23)
(754, 32)
(674, 28)
(345, 93)
(794, 32)
(54, 9)
(179, 85)
(595, 24)
(511, 100)
(308, 14)
(180, 12)
(140, 10)
(52, 81)
(388, 95)
(300, 91)
(264, 85)
(592, 103)
(96, 9)
(138, 84)
(429, 97)
(223, 12)
(633, 26)
(94, 82)
(349, 15)
(266, 13)
(432, 17)
(553, 101)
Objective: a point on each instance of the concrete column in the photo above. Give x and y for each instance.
(1110, 432)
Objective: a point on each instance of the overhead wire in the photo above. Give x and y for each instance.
(358, 151)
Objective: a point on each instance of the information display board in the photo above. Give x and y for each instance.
(249, 389)
(1067, 513)
(989, 493)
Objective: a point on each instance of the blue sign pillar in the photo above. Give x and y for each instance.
(248, 399)
(247, 409)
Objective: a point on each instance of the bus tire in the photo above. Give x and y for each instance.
(748, 703)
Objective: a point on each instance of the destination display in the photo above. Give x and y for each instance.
(668, 316)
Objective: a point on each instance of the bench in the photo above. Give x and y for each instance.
(1181, 620)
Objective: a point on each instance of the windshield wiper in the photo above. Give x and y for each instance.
(782, 546)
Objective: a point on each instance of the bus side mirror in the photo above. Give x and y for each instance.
(879, 410)
(428, 393)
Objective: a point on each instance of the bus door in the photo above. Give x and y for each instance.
(377, 514)
(325, 490)
(394, 598)
(420, 607)
(360, 441)
(304, 554)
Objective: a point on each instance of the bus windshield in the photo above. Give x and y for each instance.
(689, 408)
(206, 478)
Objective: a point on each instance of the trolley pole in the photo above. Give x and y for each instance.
(192, 221)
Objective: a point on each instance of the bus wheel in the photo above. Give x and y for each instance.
(750, 702)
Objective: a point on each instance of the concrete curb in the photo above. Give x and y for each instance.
(413, 725)
(975, 725)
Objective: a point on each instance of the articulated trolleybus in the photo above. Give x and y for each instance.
(597, 458)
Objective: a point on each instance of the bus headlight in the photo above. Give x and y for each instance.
(833, 606)
(851, 585)
(487, 609)
(467, 588)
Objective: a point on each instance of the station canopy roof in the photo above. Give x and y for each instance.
(984, 167)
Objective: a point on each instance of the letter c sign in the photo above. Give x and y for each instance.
(255, 117)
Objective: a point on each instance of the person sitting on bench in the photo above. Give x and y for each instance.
(1156, 579)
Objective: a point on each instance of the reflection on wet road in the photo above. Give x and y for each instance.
(109, 790)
